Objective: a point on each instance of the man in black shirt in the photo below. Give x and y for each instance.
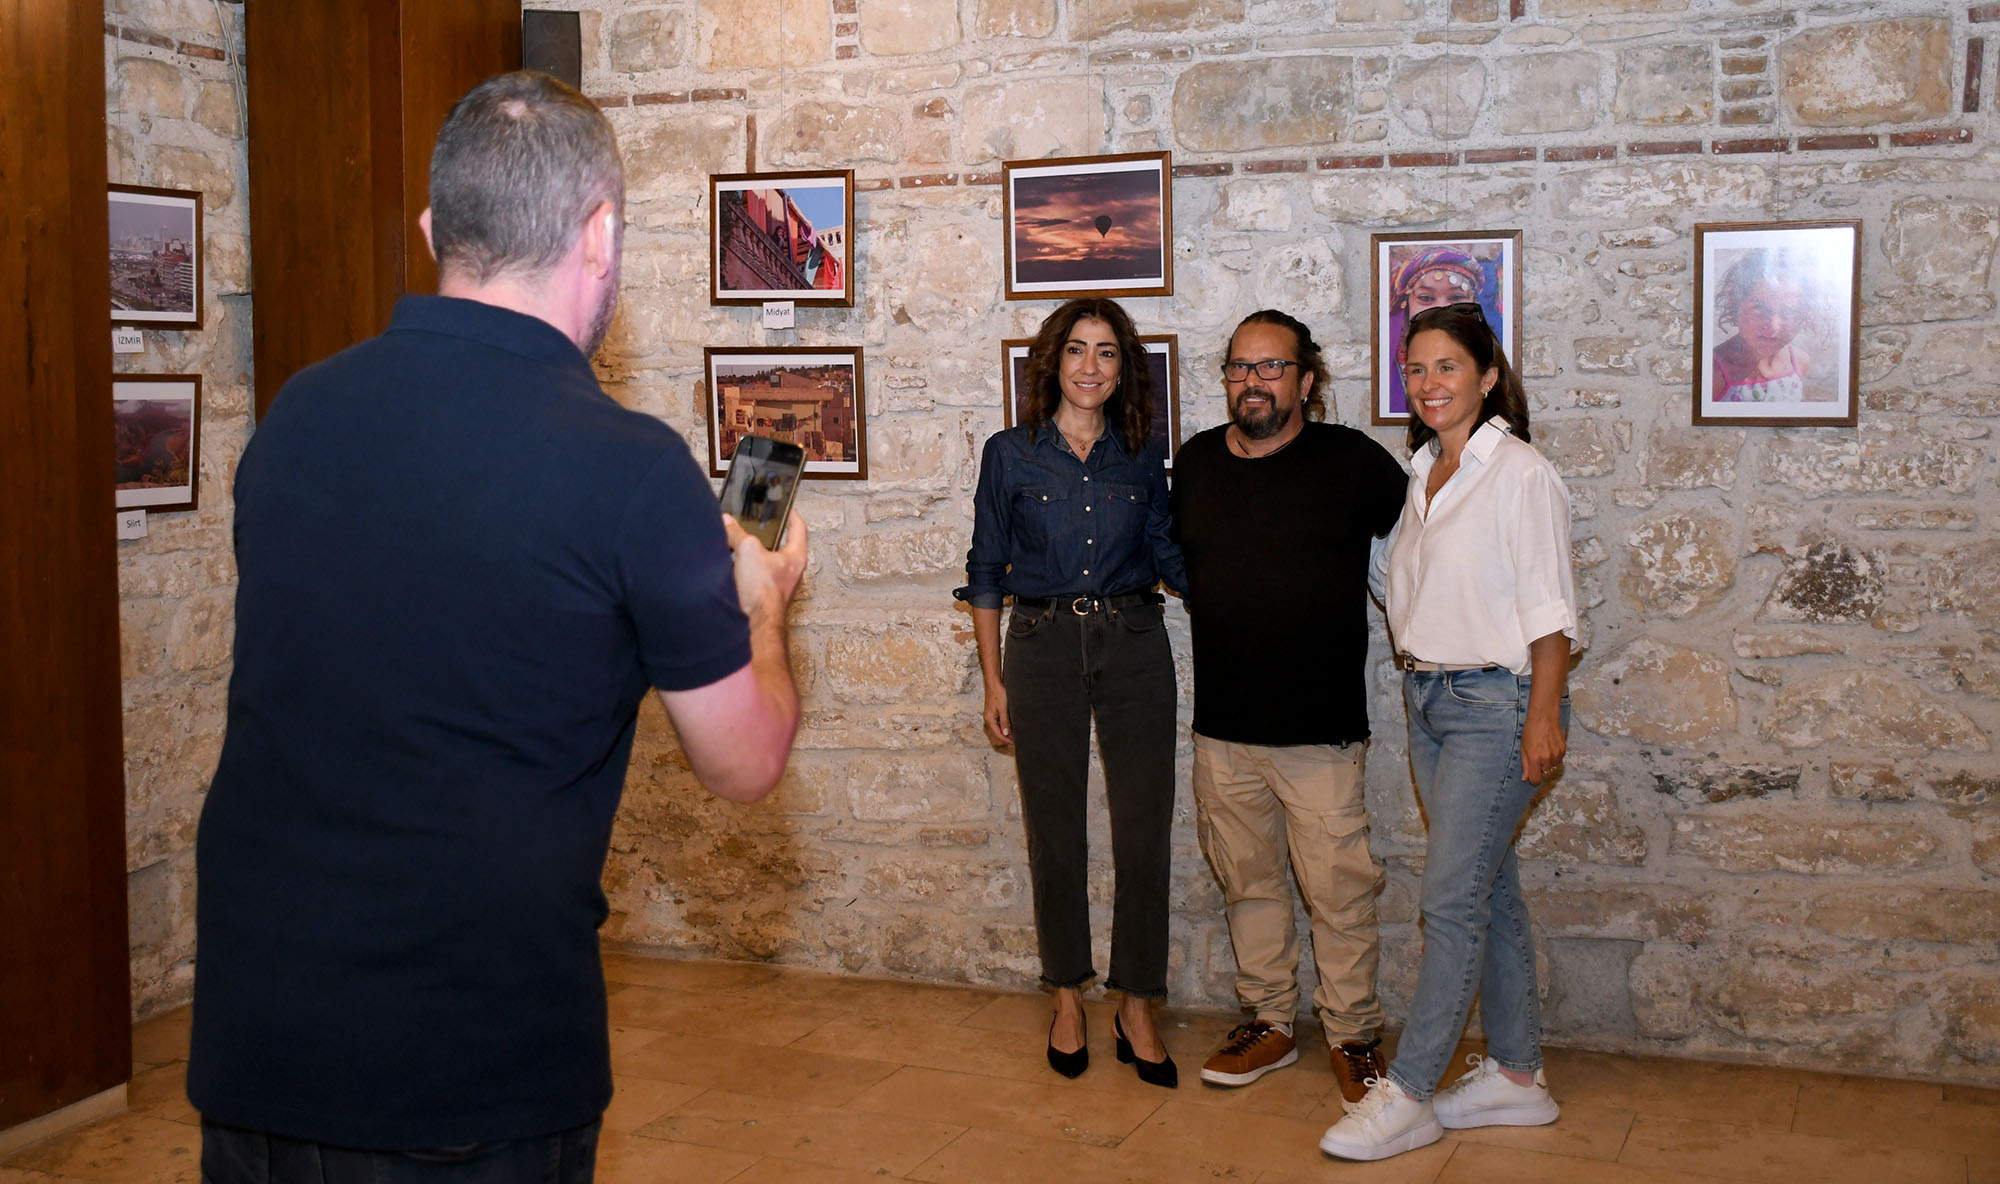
(1275, 512)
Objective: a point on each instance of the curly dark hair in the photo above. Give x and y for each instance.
(1310, 358)
(1130, 407)
(1466, 324)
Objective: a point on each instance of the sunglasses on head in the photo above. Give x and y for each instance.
(1463, 307)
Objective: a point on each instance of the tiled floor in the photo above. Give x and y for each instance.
(759, 1075)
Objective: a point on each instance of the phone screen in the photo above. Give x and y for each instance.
(763, 479)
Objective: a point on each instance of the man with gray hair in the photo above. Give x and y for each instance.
(460, 567)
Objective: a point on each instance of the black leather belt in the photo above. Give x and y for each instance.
(1083, 603)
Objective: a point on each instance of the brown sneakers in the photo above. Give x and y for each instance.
(1251, 1050)
(1356, 1063)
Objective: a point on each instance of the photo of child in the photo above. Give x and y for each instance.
(1416, 272)
(1768, 300)
(1775, 333)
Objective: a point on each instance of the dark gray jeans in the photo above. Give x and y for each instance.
(1062, 669)
(232, 1156)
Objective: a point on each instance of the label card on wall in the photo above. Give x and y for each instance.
(131, 524)
(778, 314)
(128, 341)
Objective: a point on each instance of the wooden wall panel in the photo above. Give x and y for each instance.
(346, 97)
(65, 1018)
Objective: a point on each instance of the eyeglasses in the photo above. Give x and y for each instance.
(1270, 369)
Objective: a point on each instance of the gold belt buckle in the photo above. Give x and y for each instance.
(1075, 605)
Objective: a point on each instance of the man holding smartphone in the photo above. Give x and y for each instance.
(461, 566)
(1275, 515)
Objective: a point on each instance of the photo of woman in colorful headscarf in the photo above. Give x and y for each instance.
(1428, 273)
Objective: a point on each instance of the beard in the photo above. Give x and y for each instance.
(607, 299)
(1263, 424)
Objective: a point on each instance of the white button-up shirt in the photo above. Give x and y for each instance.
(1484, 569)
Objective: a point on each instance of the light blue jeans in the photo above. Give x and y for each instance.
(1465, 756)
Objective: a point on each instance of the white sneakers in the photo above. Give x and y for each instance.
(1389, 1122)
(1484, 1097)
(1384, 1123)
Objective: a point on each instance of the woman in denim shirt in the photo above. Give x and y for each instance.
(1070, 519)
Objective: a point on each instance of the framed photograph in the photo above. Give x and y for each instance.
(1777, 327)
(155, 257)
(808, 395)
(156, 430)
(1090, 226)
(1163, 357)
(1413, 272)
(781, 236)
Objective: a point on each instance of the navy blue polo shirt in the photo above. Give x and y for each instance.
(460, 565)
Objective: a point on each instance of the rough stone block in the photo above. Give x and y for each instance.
(669, 150)
(1304, 274)
(1906, 464)
(1765, 999)
(1548, 92)
(1943, 243)
(1619, 191)
(148, 86)
(1439, 97)
(1691, 458)
(1656, 693)
(1015, 18)
(1786, 838)
(1663, 85)
(1221, 107)
(1053, 117)
(1955, 915)
(895, 662)
(1894, 71)
(1096, 19)
(1590, 990)
(1390, 198)
(648, 39)
(765, 33)
(1581, 448)
(1636, 912)
(1663, 990)
(902, 554)
(1588, 8)
(1830, 582)
(1712, 782)
(1679, 564)
(819, 130)
(1578, 821)
(1255, 205)
(1855, 781)
(1867, 709)
(948, 880)
(892, 27)
(1967, 580)
(919, 787)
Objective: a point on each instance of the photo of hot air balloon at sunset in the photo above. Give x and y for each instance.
(1090, 226)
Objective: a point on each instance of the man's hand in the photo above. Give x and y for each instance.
(766, 580)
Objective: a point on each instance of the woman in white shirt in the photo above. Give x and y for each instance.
(1482, 610)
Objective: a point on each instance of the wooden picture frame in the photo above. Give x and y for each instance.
(1431, 268)
(1777, 326)
(1163, 355)
(155, 258)
(781, 236)
(1089, 226)
(812, 396)
(156, 436)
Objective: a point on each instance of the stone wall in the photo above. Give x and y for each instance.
(175, 120)
(1779, 836)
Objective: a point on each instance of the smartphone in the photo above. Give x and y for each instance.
(763, 479)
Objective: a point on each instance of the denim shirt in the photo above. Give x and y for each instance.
(1045, 523)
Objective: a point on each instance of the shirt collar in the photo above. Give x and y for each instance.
(488, 324)
(1046, 438)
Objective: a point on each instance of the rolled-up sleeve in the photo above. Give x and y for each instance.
(1544, 587)
(992, 532)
